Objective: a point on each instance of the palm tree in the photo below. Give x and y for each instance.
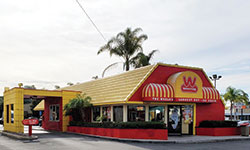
(125, 45)
(234, 95)
(141, 59)
(76, 107)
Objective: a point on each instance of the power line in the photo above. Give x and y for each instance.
(91, 21)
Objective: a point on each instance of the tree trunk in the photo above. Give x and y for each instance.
(127, 66)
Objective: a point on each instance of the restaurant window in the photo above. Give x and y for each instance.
(8, 113)
(118, 113)
(187, 114)
(106, 113)
(54, 112)
(156, 113)
(136, 113)
(12, 113)
(96, 113)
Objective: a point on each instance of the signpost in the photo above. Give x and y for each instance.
(30, 122)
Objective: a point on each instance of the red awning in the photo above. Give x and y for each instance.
(165, 92)
(210, 94)
(157, 92)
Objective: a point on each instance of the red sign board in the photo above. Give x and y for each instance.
(30, 121)
(194, 100)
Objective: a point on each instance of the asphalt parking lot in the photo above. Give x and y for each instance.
(66, 141)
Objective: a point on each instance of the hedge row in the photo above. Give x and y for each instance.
(121, 125)
(217, 124)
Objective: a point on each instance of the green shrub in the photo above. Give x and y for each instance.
(121, 125)
(217, 124)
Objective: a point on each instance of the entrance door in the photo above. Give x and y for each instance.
(174, 119)
(187, 119)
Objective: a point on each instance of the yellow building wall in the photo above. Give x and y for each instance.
(66, 97)
(14, 96)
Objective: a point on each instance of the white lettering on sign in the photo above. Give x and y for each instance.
(189, 85)
(30, 121)
(162, 99)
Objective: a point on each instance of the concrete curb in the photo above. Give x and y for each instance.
(210, 140)
(19, 136)
(167, 141)
(122, 140)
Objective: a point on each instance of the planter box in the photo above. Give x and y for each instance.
(218, 131)
(154, 134)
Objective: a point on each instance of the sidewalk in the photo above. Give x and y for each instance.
(205, 139)
(185, 139)
(35, 130)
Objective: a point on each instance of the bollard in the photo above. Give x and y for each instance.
(30, 130)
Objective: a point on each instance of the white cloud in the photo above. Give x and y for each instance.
(53, 42)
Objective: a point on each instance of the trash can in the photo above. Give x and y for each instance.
(245, 130)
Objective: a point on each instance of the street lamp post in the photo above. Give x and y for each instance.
(214, 77)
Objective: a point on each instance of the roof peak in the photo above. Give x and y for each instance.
(137, 69)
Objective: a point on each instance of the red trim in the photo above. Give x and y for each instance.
(158, 99)
(194, 100)
(152, 134)
(218, 131)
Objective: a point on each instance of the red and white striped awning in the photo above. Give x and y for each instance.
(165, 92)
(158, 92)
(210, 93)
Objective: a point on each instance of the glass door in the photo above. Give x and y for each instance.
(174, 120)
(187, 119)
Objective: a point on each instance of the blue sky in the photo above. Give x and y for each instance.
(49, 43)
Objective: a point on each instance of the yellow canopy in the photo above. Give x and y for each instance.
(40, 106)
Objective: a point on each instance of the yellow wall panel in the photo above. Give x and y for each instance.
(43, 93)
(66, 97)
(15, 97)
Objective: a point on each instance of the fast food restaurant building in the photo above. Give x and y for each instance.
(180, 96)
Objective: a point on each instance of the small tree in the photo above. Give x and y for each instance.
(141, 59)
(77, 106)
(234, 95)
